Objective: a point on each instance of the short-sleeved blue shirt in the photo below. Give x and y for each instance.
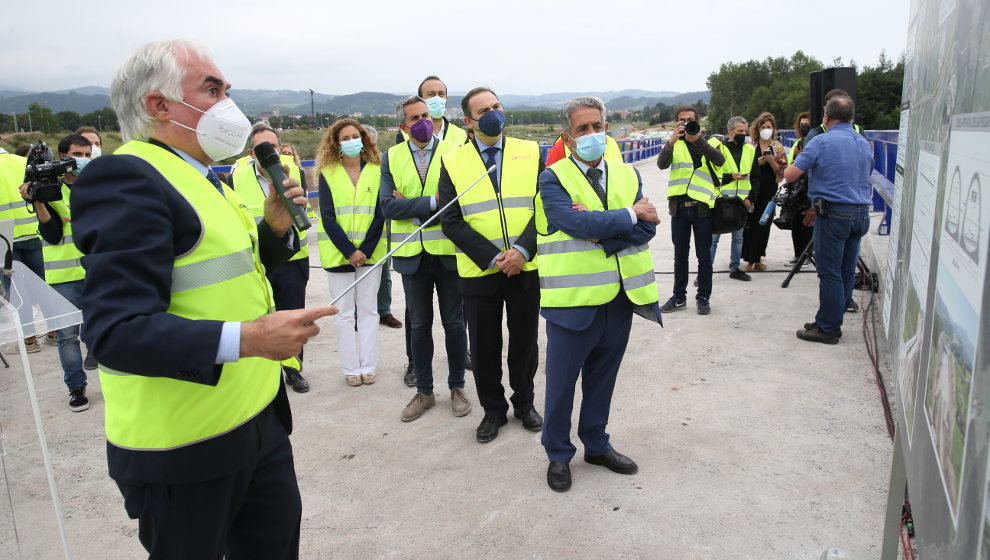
(839, 164)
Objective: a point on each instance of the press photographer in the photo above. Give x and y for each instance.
(49, 190)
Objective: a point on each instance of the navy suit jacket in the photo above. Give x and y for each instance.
(613, 228)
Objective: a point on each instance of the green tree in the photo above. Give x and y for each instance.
(878, 94)
(42, 118)
(778, 85)
(68, 120)
(102, 119)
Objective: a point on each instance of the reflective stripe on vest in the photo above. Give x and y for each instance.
(739, 187)
(685, 179)
(499, 216)
(62, 262)
(405, 177)
(354, 210)
(219, 279)
(576, 272)
(249, 189)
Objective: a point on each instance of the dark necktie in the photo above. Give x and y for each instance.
(490, 154)
(595, 178)
(212, 177)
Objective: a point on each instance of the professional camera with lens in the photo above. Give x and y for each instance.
(692, 127)
(45, 174)
(793, 200)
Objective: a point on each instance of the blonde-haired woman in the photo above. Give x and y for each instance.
(773, 160)
(350, 241)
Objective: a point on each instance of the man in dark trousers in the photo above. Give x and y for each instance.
(839, 164)
(180, 318)
(492, 227)
(594, 226)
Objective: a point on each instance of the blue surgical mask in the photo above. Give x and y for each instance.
(437, 106)
(351, 148)
(80, 163)
(492, 123)
(591, 146)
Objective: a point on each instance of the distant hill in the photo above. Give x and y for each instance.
(257, 101)
(80, 103)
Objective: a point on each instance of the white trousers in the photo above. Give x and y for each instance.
(358, 351)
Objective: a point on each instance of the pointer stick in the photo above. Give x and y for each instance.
(410, 236)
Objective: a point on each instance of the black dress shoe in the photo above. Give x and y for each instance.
(488, 429)
(531, 419)
(409, 378)
(613, 461)
(296, 380)
(559, 476)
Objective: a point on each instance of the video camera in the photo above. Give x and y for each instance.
(793, 200)
(45, 174)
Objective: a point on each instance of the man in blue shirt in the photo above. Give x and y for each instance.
(839, 164)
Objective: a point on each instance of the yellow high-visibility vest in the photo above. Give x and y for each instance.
(575, 272)
(62, 260)
(220, 279)
(740, 187)
(685, 179)
(500, 216)
(405, 176)
(249, 189)
(12, 204)
(354, 210)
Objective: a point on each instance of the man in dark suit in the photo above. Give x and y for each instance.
(596, 270)
(179, 316)
(492, 227)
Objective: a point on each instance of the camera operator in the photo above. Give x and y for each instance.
(737, 180)
(63, 271)
(691, 193)
(839, 165)
(25, 246)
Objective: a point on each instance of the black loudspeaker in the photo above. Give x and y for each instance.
(826, 80)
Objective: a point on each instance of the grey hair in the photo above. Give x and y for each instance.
(400, 109)
(840, 108)
(262, 126)
(371, 131)
(734, 121)
(575, 104)
(157, 66)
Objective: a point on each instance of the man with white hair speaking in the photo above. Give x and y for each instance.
(180, 317)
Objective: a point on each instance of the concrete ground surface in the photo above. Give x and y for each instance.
(751, 445)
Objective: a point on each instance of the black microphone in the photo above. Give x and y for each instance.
(268, 158)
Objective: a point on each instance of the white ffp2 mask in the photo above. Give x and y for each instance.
(222, 131)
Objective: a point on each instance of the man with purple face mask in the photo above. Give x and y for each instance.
(408, 196)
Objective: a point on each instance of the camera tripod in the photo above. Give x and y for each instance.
(807, 255)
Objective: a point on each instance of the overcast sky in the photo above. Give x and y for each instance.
(340, 47)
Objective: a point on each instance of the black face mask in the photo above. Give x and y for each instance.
(739, 139)
(804, 129)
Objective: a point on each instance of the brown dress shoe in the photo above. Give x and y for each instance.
(390, 321)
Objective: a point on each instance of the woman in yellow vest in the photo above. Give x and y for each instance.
(350, 241)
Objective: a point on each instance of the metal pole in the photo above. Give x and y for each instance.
(15, 121)
(410, 236)
(312, 110)
(30, 126)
